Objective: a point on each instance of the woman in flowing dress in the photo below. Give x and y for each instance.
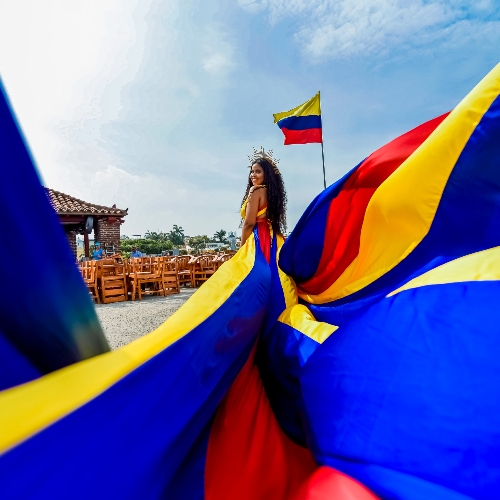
(264, 203)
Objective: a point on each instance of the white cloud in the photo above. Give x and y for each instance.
(218, 60)
(339, 29)
(63, 66)
(252, 6)
(216, 63)
(102, 89)
(156, 201)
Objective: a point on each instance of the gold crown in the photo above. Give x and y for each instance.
(261, 154)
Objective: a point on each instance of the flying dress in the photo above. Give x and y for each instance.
(364, 365)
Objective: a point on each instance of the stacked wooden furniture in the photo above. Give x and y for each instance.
(220, 259)
(89, 273)
(184, 269)
(170, 275)
(204, 267)
(145, 277)
(111, 281)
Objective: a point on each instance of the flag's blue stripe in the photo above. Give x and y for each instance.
(300, 122)
(134, 440)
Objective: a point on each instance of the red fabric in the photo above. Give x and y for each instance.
(327, 484)
(264, 238)
(249, 457)
(347, 210)
(302, 136)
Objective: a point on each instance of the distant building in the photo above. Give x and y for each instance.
(232, 240)
(215, 246)
(81, 217)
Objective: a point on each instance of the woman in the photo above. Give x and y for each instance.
(264, 202)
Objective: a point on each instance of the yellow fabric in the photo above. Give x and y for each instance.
(401, 211)
(287, 283)
(311, 107)
(478, 266)
(300, 318)
(262, 212)
(29, 408)
(243, 209)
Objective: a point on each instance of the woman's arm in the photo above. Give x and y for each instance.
(254, 197)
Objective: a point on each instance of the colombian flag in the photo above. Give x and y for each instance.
(301, 125)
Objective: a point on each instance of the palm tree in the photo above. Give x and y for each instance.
(220, 236)
(176, 236)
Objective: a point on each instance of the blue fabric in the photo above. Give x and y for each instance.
(282, 355)
(47, 317)
(411, 384)
(135, 440)
(301, 260)
(15, 367)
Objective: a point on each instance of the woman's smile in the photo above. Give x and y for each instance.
(257, 175)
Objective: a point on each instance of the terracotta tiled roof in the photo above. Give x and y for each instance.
(67, 205)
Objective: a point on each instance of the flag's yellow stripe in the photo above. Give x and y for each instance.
(29, 408)
(478, 266)
(311, 107)
(300, 318)
(401, 211)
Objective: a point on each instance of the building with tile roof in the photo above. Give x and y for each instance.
(81, 217)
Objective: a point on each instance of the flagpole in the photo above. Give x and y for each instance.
(322, 150)
(323, 156)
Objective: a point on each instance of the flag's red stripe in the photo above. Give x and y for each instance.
(347, 210)
(302, 136)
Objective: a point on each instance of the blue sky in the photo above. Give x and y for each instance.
(155, 105)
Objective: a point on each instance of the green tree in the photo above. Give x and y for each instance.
(156, 236)
(220, 236)
(176, 236)
(198, 242)
(147, 246)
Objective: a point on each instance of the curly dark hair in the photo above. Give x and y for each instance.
(276, 196)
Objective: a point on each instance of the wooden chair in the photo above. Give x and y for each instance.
(145, 277)
(88, 270)
(203, 269)
(111, 281)
(184, 270)
(170, 277)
